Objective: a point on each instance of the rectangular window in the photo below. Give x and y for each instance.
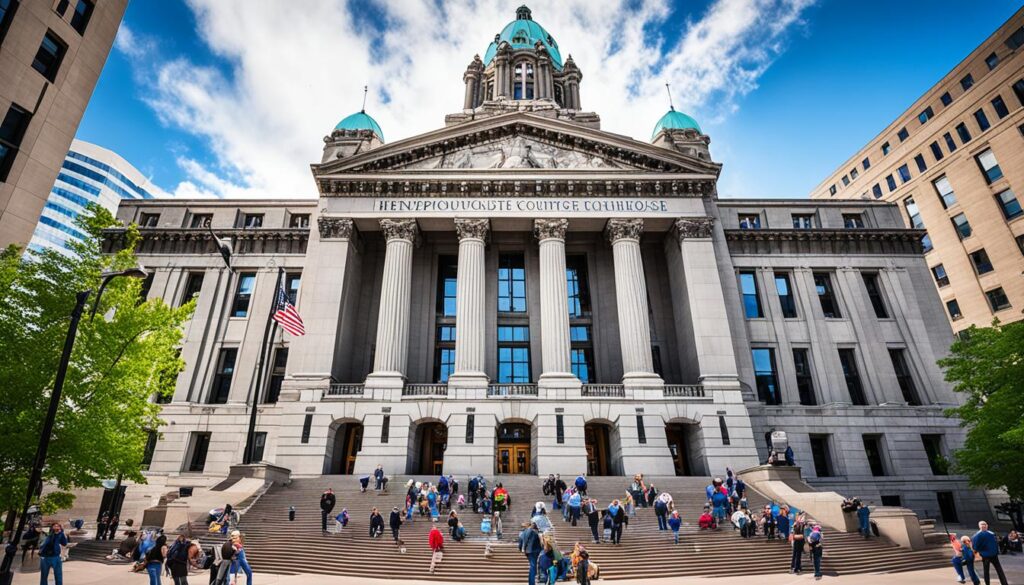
(866, 163)
(1016, 40)
(200, 220)
(926, 115)
(820, 456)
(982, 119)
(903, 134)
(873, 450)
(764, 373)
(12, 130)
(641, 432)
(149, 220)
(826, 296)
(997, 299)
(950, 143)
(904, 377)
(946, 99)
(581, 353)
(848, 360)
(803, 221)
(947, 507)
(876, 190)
(577, 285)
(941, 278)
(193, 285)
(946, 195)
(199, 448)
(904, 172)
(385, 428)
(298, 220)
(953, 308)
(846, 180)
(447, 271)
(890, 182)
(7, 9)
(222, 379)
(892, 500)
(786, 298)
(80, 19)
(962, 226)
(511, 283)
(1018, 90)
(1009, 204)
(874, 289)
(151, 437)
(259, 446)
(560, 428)
(750, 221)
(444, 353)
(854, 173)
(1020, 243)
(49, 56)
(963, 132)
(926, 244)
(832, 189)
(277, 371)
(147, 285)
(513, 355)
(967, 82)
(243, 294)
(307, 429)
(751, 300)
(936, 454)
(913, 213)
(252, 221)
(992, 60)
(470, 428)
(989, 166)
(292, 282)
(804, 382)
(982, 265)
(1000, 107)
(936, 151)
(852, 221)
(724, 430)
(886, 148)
(921, 166)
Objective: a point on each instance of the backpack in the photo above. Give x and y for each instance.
(179, 552)
(814, 539)
(499, 498)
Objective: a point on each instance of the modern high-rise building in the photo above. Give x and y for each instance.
(90, 174)
(51, 54)
(954, 164)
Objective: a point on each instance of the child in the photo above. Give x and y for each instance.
(630, 505)
(496, 525)
(675, 522)
(341, 521)
(462, 502)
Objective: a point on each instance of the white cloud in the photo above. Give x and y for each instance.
(292, 74)
(132, 44)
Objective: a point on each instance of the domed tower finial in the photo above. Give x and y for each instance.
(366, 89)
(668, 88)
(523, 13)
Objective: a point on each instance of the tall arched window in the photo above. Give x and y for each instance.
(558, 95)
(523, 81)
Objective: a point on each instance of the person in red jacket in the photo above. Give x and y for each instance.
(436, 542)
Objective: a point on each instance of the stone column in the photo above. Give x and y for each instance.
(554, 305)
(392, 349)
(631, 299)
(470, 306)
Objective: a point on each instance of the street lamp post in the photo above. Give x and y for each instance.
(35, 479)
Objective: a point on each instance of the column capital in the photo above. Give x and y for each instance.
(478, 229)
(401, 229)
(623, 229)
(694, 227)
(335, 228)
(550, 229)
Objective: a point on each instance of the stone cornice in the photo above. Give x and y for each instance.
(200, 241)
(478, 229)
(693, 227)
(548, 229)
(623, 229)
(510, 185)
(826, 241)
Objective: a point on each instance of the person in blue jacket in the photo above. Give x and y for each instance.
(963, 556)
(581, 484)
(986, 545)
(863, 515)
(49, 555)
(675, 522)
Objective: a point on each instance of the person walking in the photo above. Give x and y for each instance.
(814, 541)
(496, 525)
(50, 555)
(376, 523)
(618, 515)
(155, 559)
(782, 523)
(378, 478)
(985, 543)
(177, 560)
(675, 522)
(581, 484)
(228, 553)
(530, 545)
(115, 520)
(436, 542)
(863, 520)
(963, 557)
(593, 518)
(560, 488)
(395, 523)
(101, 526)
(798, 546)
(575, 502)
(240, 561)
(583, 568)
(327, 502)
(661, 512)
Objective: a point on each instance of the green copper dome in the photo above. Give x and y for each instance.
(673, 120)
(361, 121)
(524, 33)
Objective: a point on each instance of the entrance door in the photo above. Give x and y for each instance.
(433, 441)
(513, 458)
(677, 447)
(353, 444)
(596, 438)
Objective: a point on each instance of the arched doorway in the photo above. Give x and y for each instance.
(345, 447)
(513, 454)
(431, 440)
(598, 439)
(683, 446)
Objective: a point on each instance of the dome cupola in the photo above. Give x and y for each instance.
(673, 120)
(361, 121)
(525, 33)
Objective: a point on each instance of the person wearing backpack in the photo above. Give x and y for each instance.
(502, 501)
(814, 541)
(228, 553)
(49, 555)
(154, 559)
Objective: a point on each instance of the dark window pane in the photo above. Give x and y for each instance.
(989, 166)
(967, 82)
(823, 286)
(511, 283)
(936, 458)
(804, 383)
(936, 151)
(953, 308)
(1009, 204)
(997, 299)
(786, 297)
(904, 377)
(820, 456)
(962, 226)
(764, 373)
(193, 285)
(866, 163)
(903, 134)
(875, 294)
(1000, 107)
(200, 447)
(577, 285)
(946, 99)
(982, 120)
(992, 60)
(246, 283)
(222, 379)
(80, 19)
(48, 57)
(941, 278)
(963, 132)
(873, 451)
(447, 271)
(921, 166)
(982, 265)
(751, 302)
(852, 377)
(950, 143)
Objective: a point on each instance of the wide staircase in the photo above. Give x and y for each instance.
(276, 545)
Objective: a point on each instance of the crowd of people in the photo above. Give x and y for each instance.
(985, 544)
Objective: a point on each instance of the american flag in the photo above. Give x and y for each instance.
(286, 315)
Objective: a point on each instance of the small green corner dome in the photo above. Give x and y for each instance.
(361, 121)
(673, 120)
(524, 33)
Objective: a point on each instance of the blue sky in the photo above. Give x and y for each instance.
(231, 98)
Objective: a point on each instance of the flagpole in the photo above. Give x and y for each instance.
(250, 438)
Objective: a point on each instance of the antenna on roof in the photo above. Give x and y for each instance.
(366, 88)
(668, 88)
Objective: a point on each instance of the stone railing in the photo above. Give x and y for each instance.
(415, 390)
(502, 390)
(603, 390)
(336, 389)
(684, 391)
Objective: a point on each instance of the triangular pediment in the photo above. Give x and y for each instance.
(518, 141)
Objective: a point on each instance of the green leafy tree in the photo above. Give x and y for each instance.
(987, 366)
(121, 359)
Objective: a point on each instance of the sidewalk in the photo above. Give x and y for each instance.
(86, 573)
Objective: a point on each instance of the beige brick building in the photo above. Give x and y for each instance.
(954, 163)
(51, 54)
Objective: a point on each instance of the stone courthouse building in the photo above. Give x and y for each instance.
(522, 292)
